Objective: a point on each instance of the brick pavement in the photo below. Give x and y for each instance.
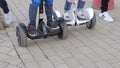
(84, 48)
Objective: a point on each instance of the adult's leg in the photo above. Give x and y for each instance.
(104, 5)
(4, 6)
(104, 14)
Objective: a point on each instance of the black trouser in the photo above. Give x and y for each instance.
(4, 6)
(104, 5)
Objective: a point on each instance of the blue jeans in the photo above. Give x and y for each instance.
(80, 5)
(33, 11)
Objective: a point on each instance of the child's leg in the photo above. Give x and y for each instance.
(32, 15)
(67, 6)
(33, 11)
(49, 9)
(81, 4)
(49, 14)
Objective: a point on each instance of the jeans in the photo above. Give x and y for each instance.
(80, 5)
(48, 11)
(4, 6)
(104, 6)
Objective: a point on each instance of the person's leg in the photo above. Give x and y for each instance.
(32, 17)
(104, 11)
(49, 9)
(80, 6)
(104, 5)
(49, 13)
(67, 8)
(4, 6)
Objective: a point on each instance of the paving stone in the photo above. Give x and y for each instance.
(112, 51)
(3, 64)
(62, 66)
(31, 64)
(12, 53)
(100, 51)
(110, 59)
(103, 64)
(13, 60)
(94, 57)
(72, 62)
(50, 52)
(3, 57)
(11, 66)
(56, 60)
(64, 54)
(46, 64)
(81, 67)
(21, 65)
(5, 50)
(85, 50)
(116, 65)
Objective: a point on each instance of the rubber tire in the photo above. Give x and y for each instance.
(91, 24)
(21, 36)
(64, 30)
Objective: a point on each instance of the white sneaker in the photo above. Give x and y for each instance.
(105, 16)
(66, 16)
(80, 15)
(7, 18)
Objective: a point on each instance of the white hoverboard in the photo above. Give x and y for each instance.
(89, 14)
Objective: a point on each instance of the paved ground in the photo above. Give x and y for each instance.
(84, 48)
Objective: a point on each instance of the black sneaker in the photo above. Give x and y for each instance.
(53, 25)
(32, 30)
